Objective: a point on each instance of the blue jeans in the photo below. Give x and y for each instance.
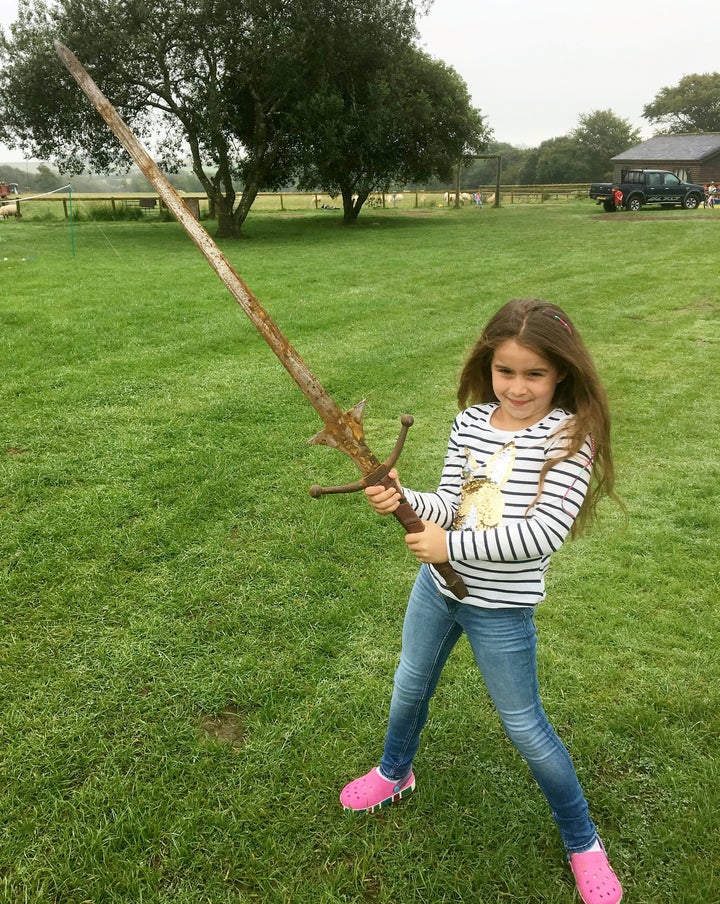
(504, 644)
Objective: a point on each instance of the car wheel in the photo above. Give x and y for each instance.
(634, 203)
(691, 202)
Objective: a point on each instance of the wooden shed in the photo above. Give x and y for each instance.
(694, 158)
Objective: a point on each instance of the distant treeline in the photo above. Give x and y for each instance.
(39, 177)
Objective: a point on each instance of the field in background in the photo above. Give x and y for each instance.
(196, 656)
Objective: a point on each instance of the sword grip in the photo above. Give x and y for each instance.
(407, 516)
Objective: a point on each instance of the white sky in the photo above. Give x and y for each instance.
(535, 66)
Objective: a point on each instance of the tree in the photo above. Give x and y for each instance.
(601, 135)
(560, 160)
(693, 105)
(46, 179)
(554, 161)
(380, 113)
(177, 74)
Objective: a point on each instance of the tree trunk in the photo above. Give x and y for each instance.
(227, 226)
(220, 189)
(230, 222)
(352, 204)
(221, 203)
(247, 199)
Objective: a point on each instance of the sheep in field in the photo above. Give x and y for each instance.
(9, 210)
(450, 197)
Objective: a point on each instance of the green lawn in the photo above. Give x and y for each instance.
(196, 656)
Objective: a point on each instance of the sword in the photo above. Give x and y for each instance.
(343, 430)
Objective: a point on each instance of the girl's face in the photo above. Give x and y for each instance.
(524, 383)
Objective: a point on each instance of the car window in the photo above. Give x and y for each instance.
(671, 179)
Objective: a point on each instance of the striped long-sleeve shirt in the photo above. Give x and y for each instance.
(505, 565)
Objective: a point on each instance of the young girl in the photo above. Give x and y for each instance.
(526, 465)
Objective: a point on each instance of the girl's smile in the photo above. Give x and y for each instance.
(524, 383)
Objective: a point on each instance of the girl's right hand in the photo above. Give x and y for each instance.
(384, 501)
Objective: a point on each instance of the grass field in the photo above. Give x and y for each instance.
(196, 656)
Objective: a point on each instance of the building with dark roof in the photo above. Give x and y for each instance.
(694, 158)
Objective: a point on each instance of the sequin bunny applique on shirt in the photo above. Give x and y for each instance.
(481, 500)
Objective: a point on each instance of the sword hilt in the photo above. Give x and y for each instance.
(376, 476)
(404, 513)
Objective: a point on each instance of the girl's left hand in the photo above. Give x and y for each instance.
(430, 546)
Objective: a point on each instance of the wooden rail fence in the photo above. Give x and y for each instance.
(407, 200)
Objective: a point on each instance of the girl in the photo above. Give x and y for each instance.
(526, 465)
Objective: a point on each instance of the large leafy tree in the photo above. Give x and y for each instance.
(198, 77)
(693, 105)
(384, 117)
(560, 160)
(601, 135)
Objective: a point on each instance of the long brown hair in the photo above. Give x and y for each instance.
(548, 331)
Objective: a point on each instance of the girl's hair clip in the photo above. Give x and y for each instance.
(560, 320)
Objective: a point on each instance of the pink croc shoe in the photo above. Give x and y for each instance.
(371, 792)
(596, 881)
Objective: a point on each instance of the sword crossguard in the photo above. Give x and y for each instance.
(376, 476)
(405, 514)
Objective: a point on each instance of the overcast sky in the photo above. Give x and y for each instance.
(534, 67)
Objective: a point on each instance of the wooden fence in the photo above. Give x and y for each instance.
(149, 203)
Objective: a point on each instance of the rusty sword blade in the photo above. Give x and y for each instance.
(343, 430)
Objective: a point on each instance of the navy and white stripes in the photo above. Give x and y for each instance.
(506, 565)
